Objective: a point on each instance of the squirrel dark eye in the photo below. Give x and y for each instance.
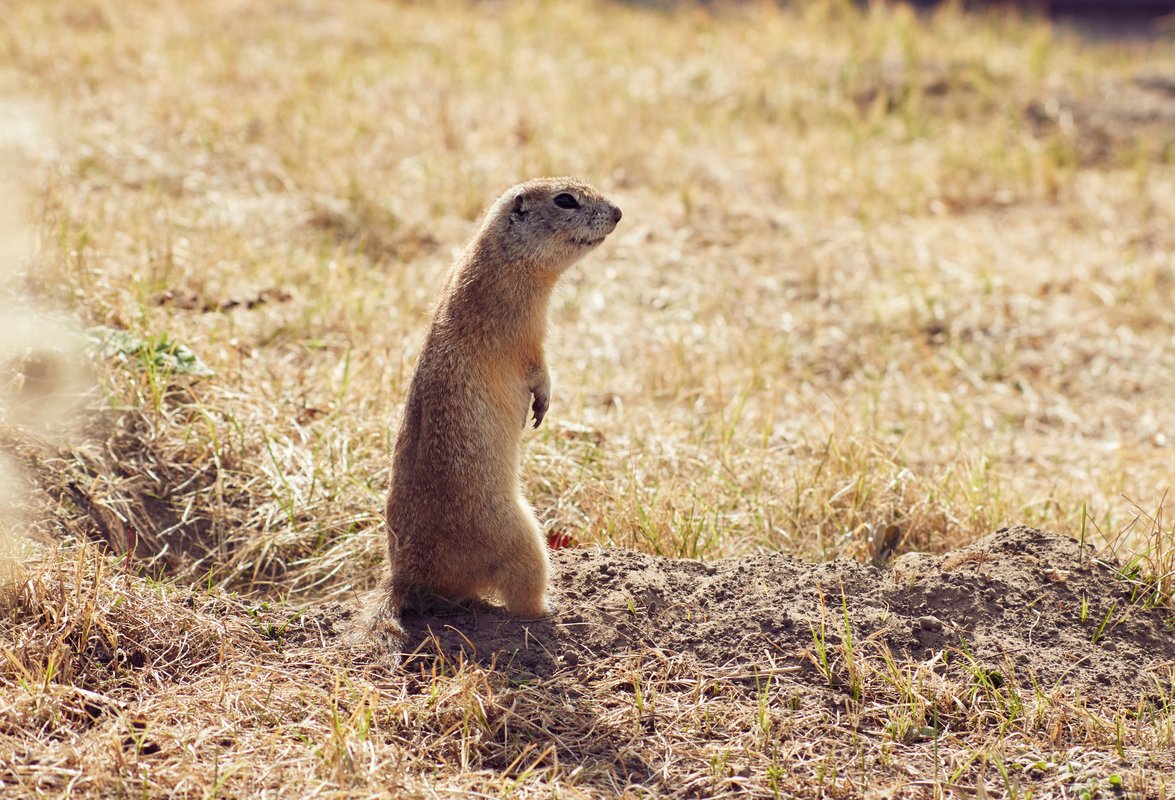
(565, 200)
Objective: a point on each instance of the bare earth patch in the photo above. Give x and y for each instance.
(1011, 604)
(662, 673)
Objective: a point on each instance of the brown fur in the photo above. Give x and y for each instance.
(458, 525)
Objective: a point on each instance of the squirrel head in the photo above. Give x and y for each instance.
(548, 223)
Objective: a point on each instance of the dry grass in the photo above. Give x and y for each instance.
(116, 686)
(862, 279)
(873, 270)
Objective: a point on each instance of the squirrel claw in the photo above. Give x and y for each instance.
(540, 406)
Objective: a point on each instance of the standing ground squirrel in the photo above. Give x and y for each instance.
(458, 525)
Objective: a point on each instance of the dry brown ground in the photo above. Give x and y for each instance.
(875, 271)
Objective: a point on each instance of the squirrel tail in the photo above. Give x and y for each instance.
(377, 630)
(383, 619)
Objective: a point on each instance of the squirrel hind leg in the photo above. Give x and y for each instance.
(522, 583)
(527, 601)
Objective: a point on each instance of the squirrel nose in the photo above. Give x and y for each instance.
(616, 214)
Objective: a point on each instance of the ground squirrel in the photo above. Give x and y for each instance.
(458, 525)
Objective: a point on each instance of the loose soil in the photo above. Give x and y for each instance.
(1021, 604)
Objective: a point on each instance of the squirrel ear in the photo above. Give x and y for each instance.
(518, 211)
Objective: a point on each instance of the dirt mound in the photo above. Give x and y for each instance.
(762, 677)
(1020, 604)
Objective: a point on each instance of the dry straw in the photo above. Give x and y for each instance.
(877, 270)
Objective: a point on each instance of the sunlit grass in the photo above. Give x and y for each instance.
(875, 269)
(862, 279)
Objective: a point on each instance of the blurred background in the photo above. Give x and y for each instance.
(888, 278)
